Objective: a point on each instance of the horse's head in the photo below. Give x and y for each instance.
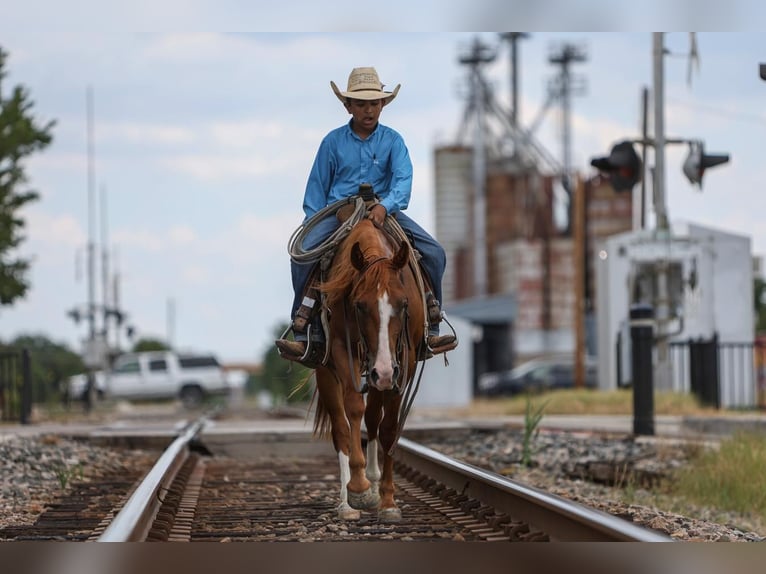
(379, 300)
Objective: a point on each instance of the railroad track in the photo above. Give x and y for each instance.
(284, 488)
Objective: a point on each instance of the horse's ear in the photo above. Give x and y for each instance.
(402, 256)
(357, 258)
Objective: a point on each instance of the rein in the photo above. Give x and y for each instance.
(363, 344)
(402, 350)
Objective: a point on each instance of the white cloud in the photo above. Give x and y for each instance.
(140, 239)
(54, 231)
(196, 274)
(247, 133)
(182, 235)
(198, 47)
(222, 168)
(145, 134)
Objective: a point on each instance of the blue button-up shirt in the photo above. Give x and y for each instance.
(344, 161)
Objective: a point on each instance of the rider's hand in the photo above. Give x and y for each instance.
(378, 215)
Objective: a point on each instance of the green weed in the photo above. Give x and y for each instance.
(532, 418)
(728, 478)
(66, 473)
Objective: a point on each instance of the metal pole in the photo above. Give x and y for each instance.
(26, 387)
(479, 181)
(662, 232)
(660, 207)
(514, 81)
(641, 335)
(116, 299)
(641, 223)
(513, 39)
(566, 152)
(91, 222)
(105, 265)
(88, 403)
(580, 262)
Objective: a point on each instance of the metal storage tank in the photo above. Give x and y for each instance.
(453, 189)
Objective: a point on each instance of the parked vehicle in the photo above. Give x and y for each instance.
(536, 376)
(157, 375)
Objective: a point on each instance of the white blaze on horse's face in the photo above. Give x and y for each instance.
(383, 360)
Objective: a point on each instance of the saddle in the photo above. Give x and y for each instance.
(312, 316)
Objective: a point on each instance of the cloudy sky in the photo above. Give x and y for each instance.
(203, 142)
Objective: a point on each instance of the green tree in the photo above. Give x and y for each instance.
(150, 344)
(280, 377)
(20, 136)
(51, 364)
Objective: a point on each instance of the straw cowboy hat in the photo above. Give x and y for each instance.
(364, 84)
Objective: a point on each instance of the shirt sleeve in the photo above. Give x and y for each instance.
(320, 177)
(398, 197)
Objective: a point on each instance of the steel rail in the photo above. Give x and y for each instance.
(133, 522)
(561, 519)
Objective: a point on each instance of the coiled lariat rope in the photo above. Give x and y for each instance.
(295, 245)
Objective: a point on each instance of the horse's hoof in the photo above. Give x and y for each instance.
(389, 515)
(366, 500)
(345, 512)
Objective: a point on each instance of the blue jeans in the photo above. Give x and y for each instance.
(433, 259)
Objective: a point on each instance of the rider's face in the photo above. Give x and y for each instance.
(365, 113)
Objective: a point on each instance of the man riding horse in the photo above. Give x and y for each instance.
(363, 151)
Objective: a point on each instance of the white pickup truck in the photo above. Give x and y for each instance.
(158, 375)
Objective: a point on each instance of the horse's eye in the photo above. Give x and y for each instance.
(360, 307)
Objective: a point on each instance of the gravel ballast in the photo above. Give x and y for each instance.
(613, 474)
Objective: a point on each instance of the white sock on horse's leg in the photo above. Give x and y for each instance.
(345, 512)
(373, 468)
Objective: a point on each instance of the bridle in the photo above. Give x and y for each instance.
(363, 348)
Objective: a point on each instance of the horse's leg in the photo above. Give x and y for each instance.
(361, 494)
(372, 415)
(387, 510)
(331, 395)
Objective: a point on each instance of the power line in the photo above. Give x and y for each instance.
(706, 108)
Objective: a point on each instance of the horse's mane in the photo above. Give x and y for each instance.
(340, 282)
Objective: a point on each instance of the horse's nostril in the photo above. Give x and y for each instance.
(396, 372)
(374, 376)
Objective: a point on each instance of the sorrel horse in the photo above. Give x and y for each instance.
(376, 326)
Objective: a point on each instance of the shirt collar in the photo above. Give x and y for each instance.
(354, 134)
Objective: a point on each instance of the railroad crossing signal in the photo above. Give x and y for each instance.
(622, 165)
(698, 161)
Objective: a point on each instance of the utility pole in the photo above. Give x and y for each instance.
(96, 351)
(580, 264)
(660, 207)
(479, 54)
(116, 299)
(105, 265)
(91, 249)
(639, 211)
(568, 55)
(91, 222)
(662, 231)
(513, 38)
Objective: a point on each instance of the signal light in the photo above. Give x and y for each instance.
(698, 161)
(623, 166)
(74, 314)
